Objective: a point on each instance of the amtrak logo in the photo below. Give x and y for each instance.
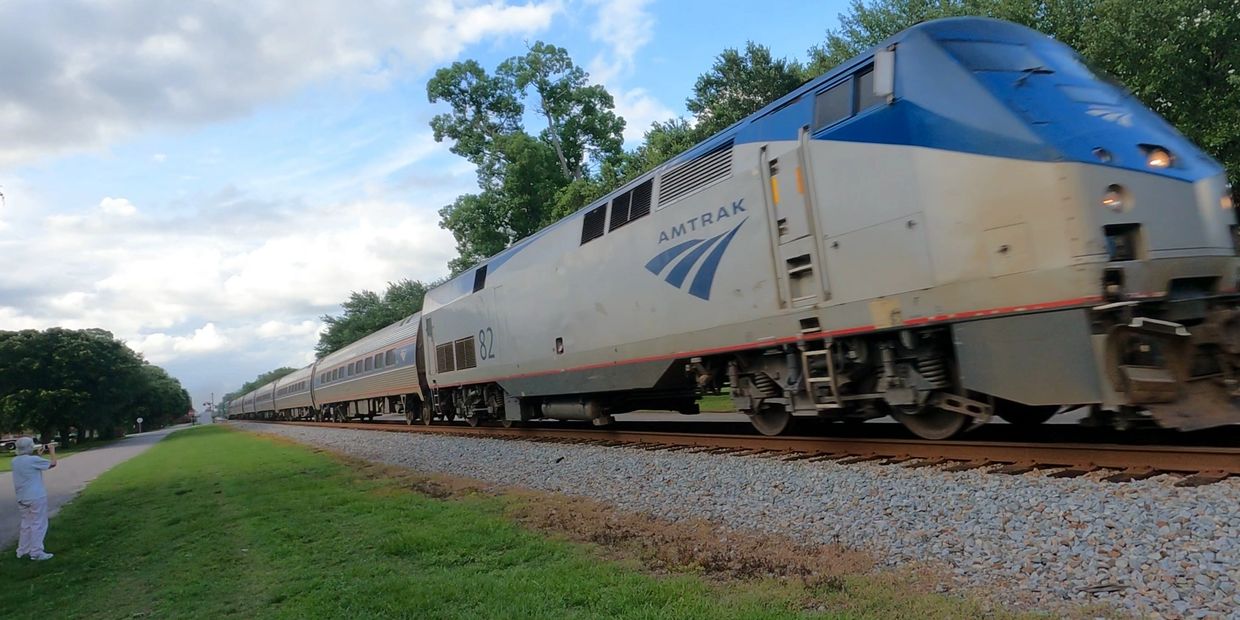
(1113, 114)
(703, 253)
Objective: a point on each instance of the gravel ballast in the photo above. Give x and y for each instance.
(1145, 546)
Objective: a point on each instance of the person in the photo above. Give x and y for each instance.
(31, 498)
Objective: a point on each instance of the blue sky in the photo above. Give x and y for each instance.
(207, 180)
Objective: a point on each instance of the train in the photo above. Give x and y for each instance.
(964, 222)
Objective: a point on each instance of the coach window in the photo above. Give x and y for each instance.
(833, 104)
(865, 90)
(370, 364)
(389, 358)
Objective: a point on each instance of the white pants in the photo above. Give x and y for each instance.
(34, 526)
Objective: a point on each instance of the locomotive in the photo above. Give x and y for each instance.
(964, 222)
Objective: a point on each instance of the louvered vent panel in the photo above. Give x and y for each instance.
(593, 223)
(693, 175)
(444, 360)
(641, 200)
(620, 210)
(465, 353)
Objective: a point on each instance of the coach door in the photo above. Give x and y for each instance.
(794, 235)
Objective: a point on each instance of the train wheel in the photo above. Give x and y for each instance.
(930, 422)
(771, 419)
(1022, 415)
(473, 420)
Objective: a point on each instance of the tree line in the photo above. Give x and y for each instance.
(57, 380)
(1177, 56)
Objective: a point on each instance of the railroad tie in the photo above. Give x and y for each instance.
(966, 466)
(1132, 474)
(1203, 478)
(927, 462)
(1021, 467)
(860, 459)
(1074, 472)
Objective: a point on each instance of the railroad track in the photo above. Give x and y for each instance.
(1122, 463)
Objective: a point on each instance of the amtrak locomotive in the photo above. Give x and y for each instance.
(961, 223)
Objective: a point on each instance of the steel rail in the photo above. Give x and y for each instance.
(1207, 464)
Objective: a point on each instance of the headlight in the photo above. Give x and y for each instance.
(1157, 156)
(1113, 199)
(1226, 200)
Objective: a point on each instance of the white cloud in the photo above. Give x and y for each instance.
(159, 158)
(281, 329)
(161, 347)
(624, 27)
(120, 207)
(92, 72)
(640, 109)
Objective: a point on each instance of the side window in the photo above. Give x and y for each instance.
(592, 224)
(389, 358)
(865, 90)
(833, 105)
(370, 363)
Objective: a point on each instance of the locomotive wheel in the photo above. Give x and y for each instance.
(426, 414)
(1022, 415)
(771, 419)
(509, 423)
(931, 422)
(473, 420)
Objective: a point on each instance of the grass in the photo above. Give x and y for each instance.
(6, 459)
(213, 523)
(717, 403)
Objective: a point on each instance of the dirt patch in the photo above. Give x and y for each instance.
(687, 546)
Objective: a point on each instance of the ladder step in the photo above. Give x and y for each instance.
(829, 406)
(800, 269)
(815, 352)
(817, 379)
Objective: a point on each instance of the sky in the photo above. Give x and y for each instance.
(207, 179)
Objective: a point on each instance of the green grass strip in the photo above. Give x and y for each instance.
(214, 523)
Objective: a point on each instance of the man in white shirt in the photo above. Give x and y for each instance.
(31, 498)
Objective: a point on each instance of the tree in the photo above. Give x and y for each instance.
(484, 109)
(1175, 56)
(366, 312)
(522, 174)
(581, 123)
(56, 380)
(738, 85)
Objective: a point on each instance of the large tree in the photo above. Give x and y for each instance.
(527, 176)
(58, 379)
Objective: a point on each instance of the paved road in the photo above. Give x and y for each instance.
(70, 476)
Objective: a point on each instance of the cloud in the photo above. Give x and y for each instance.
(117, 206)
(161, 347)
(80, 74)
(624, 27)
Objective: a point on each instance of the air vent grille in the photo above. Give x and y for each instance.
(465, 353)
(693, 175)
(631, 205)
(444, 360)
(593, 223)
